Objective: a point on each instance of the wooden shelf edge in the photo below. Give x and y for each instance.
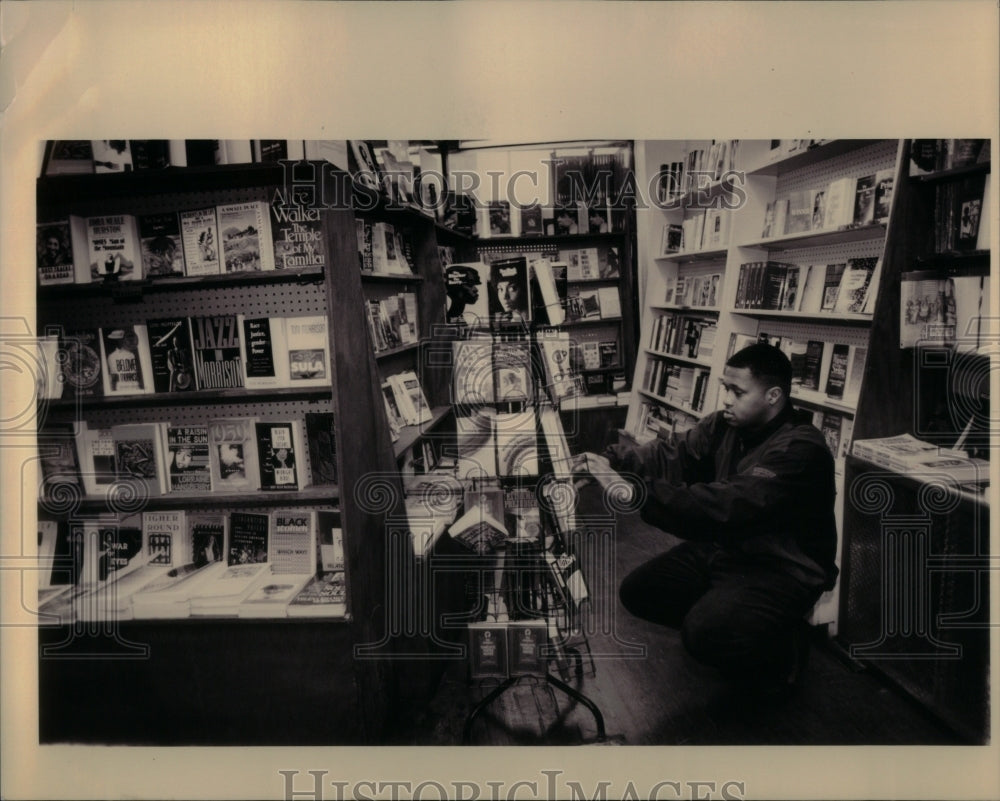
(813, 155)
(307, 496)
(410, 435)
(678, 358)
(672, 405)
(818, 317)
(187, 398)
(186, 282)
(836, 236)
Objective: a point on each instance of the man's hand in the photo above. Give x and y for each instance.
(588, 467)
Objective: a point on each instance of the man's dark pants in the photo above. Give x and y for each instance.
(735, 612)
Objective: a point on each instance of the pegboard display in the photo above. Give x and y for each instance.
(274, 299)
(832, 254)
(880, 155)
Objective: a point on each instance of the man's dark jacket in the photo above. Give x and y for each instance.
(768, 493)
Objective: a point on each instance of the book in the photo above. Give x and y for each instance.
(308, 351)
(883, 195)
(80, 363)
(854, 284)
(517, 447)
(831, 286)
(324, 595)
(476, 444)
(279, 453)
(479, 528)
(54, 578)
(246, 566)
(321, 441)
(970, 199)
(292, 564)
(95, 449)
(262, 351)
(896, 452)
(161, 245)
(473, 372)
(233, 455)
(568, 578)
(512, 380)
(560, 380)
(245, 237)
(839, 211)
(126, 359)
(329, 542)
(150, 154)
(171, 355)
(800, 212)
(200, 241)
(531, 220)
(392, 412)
(864, 200)
(467, 285)
(610, 301)
(68, 157)
(548, 291)
(410, 397)
(112, 248)
(139, 457)
(855, 372)
(297, 232)
(186, 453)
(54, 253)
(499, 213)
(836, 381)
(218, 359)
(830, 429)
(58, 462)
(526, 648)
(488, 650)
(813, 364)
(792, 292)
(556, 445)
(509, 285)
(111, 155)
(672, 239)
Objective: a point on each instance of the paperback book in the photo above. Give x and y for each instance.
(262, 350)
(324, 595)
(217, 354)
(187, 455)
(139, 457)
(81, 360)
(171, 355)
(200, 241)
(476, 440)
(308, 350)
(517, 447)
(512, 380)
(292, 564)
(321, 439)
(126, 359)
(112, 248)
(54, 254)
(279, 450)
(473, 372)
(95, 448)
(233, 455)
(297, 232)
(244, 229)
(161, 245)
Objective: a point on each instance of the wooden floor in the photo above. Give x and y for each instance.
(650, 692)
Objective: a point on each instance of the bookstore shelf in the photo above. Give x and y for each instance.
(696, 309)
(135, 289)
(410, 435)
(814, 398)
(385, 354)
(391, 278)
(839, 236)
(189, 398)
(671, 404)
(702, 197)
(678, 358)
(941, 176)
(812, 156)
(547, 239)
(354, 696)
(176, 500)
(816, 317)
(690, 256)
(589, 322)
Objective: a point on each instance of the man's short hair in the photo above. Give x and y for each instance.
(767, 364)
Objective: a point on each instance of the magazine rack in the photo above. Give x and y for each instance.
(529, 589)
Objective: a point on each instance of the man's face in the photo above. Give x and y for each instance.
(509, 294)
(745, 399)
